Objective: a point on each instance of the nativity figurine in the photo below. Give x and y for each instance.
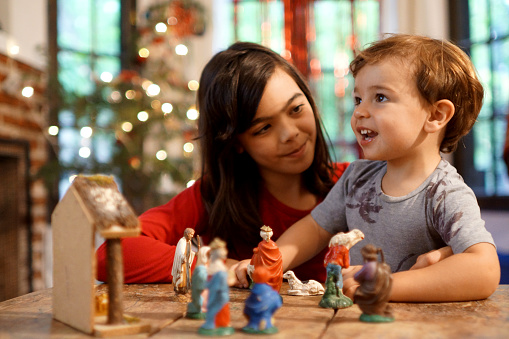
(297, 287)
(217, 319)
(196, 308)
(267, 254)
(261, 304)
(375, 281)
(335, 260)
(182, 261)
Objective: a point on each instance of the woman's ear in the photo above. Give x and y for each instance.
(441, 113)
(238, 148)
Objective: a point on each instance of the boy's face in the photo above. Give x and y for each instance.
(389, 112)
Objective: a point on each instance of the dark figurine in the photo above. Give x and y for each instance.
(335, 260)
(261, 304)
(375, 281)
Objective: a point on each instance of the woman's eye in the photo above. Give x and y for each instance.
(381, 98)
(262, 130)
(298, 109)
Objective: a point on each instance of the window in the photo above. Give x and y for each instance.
(480, 27)
(334, 28)
(88, 40)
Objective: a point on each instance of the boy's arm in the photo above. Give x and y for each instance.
(302, 242)
(471, 275)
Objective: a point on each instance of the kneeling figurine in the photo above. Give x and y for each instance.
(261, 304)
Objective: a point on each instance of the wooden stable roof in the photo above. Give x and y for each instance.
(112, 216)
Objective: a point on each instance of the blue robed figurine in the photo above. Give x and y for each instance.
(217, 319)
(261, 304)
(194, 308)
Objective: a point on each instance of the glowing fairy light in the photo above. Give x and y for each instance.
(86, 132)
(153, 90)
(106, 77)
(181, 49)
(142, 116)
(127, 127)
(167, 108)
(53, 130)
(27, 91)
(84, 152)
(161, 155)
(188, 147)
(144, 52)
(193, 85)
(192, 113)
(161, 27)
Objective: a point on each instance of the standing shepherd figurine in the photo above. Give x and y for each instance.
(217, 320)
(375, 281)
(182, 262)
(336, 259)
(195, 307)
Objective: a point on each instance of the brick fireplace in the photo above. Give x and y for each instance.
(23, 201)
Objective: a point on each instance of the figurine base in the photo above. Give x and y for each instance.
(216, 331)
(250, 330)
(199, 316)
(336, 302)
(375, 318)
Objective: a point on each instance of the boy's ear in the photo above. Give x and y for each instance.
(441, 113)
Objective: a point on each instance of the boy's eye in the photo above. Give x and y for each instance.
(356, 101)
(380, 97)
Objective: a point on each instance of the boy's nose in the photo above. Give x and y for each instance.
(360, 113)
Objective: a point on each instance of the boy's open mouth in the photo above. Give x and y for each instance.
(368, 134)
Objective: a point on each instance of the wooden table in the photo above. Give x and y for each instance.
(30, 316)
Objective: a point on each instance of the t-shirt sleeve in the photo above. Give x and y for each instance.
(149, 257)
(456, 216)
(330, 213)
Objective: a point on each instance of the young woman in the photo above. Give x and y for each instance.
(265, 161)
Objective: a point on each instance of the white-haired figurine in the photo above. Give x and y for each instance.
(182, 261)
(335, 260)
(195, 307)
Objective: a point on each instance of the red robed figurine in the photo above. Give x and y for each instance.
(267, 255)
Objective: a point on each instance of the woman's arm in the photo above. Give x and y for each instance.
(471, 275)
(301, 242)
(149, 257)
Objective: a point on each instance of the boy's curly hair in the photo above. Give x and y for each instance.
(441, 70)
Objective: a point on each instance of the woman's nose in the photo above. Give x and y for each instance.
(289, 130)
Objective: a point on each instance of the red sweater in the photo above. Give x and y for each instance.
(149, 257)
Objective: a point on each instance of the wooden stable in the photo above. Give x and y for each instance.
(91, 204)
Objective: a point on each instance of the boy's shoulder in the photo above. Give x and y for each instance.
(362, 167)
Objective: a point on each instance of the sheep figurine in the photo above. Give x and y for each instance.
(297, 287)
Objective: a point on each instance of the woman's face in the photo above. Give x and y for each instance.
(281, 138)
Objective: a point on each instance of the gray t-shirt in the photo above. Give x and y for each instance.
(442, 211)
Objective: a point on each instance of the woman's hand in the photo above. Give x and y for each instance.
(349, 283)
(432, 257)
(239, 268)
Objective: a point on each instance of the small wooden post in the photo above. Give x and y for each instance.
(115, 280)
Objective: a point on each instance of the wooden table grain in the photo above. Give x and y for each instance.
(30, 316)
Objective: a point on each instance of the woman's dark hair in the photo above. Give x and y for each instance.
(231, 87)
